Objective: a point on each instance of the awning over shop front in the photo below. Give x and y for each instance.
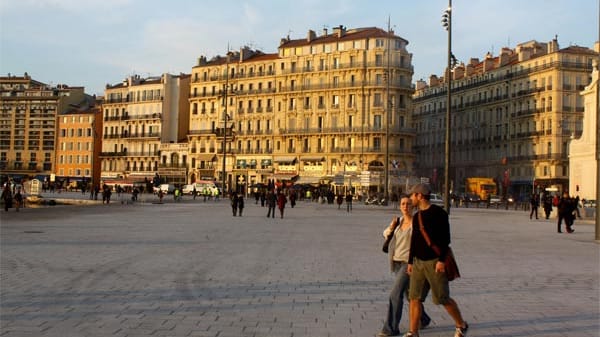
(206, 157)
(308, 180)
(282, 176)
(285, 160)
(313, 159)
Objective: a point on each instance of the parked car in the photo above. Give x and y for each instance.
(436, 199)
(495, 200)
(589, 203)
(471, 198)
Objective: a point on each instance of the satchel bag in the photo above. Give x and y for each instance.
(450, 265)
(386, 243)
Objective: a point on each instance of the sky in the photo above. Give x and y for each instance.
(92, 43)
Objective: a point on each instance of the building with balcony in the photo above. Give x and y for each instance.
(139, 115)
(317, 111)
(79, 143)
(29, 110)
(512, 116)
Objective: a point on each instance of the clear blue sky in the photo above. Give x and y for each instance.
(94, 42)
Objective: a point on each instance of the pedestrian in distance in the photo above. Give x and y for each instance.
(340, 200)
(534, 201)
(234, 203)
(547, 206)
(271, 200)
(398, 235)
(194, 192)
(425, 265)
(281, 201)
(577, 206)
(565, 212)
(292, 199)
(18, 199)
(240, 203)
(348, 202)
(7, 197)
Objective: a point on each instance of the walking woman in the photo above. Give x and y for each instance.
(281, 201)
(399, 248)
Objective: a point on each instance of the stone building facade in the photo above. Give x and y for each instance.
(29, 110)
(317, 111)
(512, 116)
(139, 116)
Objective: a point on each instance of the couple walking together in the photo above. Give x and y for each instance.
(416, 265)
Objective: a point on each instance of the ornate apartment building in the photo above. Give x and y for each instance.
(316, 111)
(141, 117)
(29, 110)
(512, 115)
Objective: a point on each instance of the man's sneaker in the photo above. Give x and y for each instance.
(462, 332)
(411, 334)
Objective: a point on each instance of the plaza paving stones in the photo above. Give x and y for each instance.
(192, 269)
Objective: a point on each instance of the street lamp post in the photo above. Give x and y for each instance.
(388, 108)
(225, 119)
(447, 23)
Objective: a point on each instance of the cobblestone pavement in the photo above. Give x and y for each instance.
(192, 269)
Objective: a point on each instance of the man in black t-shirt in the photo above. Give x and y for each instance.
(424, 265)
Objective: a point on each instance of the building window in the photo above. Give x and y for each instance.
(377, 144)
(377, 101)
(377, 122)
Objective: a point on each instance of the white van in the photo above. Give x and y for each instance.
(165, 188)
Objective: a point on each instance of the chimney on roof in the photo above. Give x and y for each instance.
(553, 45)
(488, 63)
(245, 53)
(339, 31)
(433, 80)
(311, 35)
(202, 60)
(469, 69)
(458, 72)
(420, 84)
(324, 31)
(504, 56)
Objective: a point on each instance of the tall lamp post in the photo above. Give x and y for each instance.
(447, 23)
(225, 119)
(388, 111)
(597, 236)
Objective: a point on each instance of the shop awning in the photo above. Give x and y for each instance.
(308, 180)
(286, 160)
(313, 159)
(206, 157)
(281, 176)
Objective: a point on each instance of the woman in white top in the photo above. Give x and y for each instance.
(399, 248)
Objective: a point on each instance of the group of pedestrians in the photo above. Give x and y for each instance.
(237, 203)
(348, 198)
(416, 265)
(12, 198)
(567, 209)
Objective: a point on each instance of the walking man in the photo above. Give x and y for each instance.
(271, 202)
(424, 265)
(535, 203)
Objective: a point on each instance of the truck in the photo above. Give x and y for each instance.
(482, 187)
